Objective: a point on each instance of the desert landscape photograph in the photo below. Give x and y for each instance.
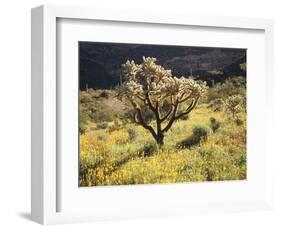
(154, 114)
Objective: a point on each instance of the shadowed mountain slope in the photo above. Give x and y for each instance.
(100, 63)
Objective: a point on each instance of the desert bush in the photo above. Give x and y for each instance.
(102, 125)
(231, 86)
(149, 148)
(238, 121)
(132, 132)
(214, 124)
(189, 142)
(201, 131)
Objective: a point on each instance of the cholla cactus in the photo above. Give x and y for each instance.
(149, 85)
(234, 104)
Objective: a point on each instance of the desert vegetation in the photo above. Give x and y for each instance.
(159, 128)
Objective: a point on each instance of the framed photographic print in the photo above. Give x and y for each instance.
(141, 114)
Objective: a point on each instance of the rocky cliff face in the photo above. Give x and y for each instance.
(100, 63)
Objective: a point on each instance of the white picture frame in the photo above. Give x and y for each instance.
(45, 168)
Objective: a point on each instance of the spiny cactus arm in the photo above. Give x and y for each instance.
(149, 102)
(141, 98)
(172, 119)
(188, 109)
(176, 116)
(183, 99)
(169, 112)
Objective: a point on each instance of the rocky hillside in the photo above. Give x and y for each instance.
(100, 63)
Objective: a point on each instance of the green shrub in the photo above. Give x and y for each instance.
(149, 148)
(201, 131)
(214, 124)
(238, 121)
(132, 132)
(102, 125)
(189, 142)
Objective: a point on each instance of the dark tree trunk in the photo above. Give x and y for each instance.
(160, 139)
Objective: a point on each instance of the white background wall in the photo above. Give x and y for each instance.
(15, 113)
